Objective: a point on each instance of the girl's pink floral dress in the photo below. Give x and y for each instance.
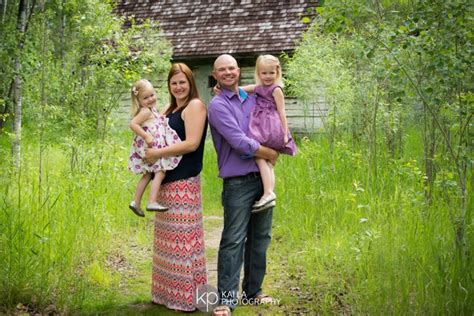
(163, 136)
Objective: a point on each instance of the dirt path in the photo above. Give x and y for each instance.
(134, 268)
(212, 237)
(135, 278)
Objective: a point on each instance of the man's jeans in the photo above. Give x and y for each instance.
(242, 230)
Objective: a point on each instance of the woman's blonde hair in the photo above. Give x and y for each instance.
(137, 88)
(176, 69)
(268, 60)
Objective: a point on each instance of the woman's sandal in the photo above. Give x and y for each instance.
(220, 310)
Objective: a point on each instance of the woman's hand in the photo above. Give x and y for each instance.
(194, 117)
(151, 155)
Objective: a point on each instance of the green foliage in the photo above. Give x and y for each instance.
(326, 74)
(76, 71)
(386, 68)
(397, 58)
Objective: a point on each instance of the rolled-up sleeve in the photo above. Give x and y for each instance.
(221, 117)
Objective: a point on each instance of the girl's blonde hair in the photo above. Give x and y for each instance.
(137, 88)
(268, 60)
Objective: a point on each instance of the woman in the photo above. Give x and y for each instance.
(179, 265)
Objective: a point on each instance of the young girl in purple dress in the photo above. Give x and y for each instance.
(268, 124)
(151, 131)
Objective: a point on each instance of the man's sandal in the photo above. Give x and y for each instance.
(221, 310)
(262, 299)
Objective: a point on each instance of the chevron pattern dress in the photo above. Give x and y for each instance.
(179, 264)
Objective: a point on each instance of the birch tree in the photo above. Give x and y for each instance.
(23, 17)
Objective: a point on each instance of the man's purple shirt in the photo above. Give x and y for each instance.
(229, 115)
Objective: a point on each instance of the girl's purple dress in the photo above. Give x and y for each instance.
(265, 123)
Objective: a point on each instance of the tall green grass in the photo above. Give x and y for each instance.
(372, 246)
(363, 245)
(61, 216)
(57, 227)
(211, 183)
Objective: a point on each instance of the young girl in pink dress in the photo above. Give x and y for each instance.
(151, 131)
(268, 124)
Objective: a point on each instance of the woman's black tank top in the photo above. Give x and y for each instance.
(191, 163)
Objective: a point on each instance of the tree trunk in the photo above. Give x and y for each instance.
(62, 27)
(43, 103)
(62, 49)
(390, 134)
(3, 3)
(21, 26)
(17, 85)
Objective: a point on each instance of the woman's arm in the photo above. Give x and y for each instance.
(194, 117)
(280, 104)
(138, 120)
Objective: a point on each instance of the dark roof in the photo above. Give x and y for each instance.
(199, 28)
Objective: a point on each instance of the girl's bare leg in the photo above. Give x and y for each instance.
(266, 172)
(268, 179)
(273, 175)
(155, 186)
(141, 186)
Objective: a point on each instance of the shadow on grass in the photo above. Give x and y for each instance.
(139, 308)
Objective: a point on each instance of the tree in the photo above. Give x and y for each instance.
(88, 66)
(22, 23)
(402, 60)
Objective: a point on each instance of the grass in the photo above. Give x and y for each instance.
(371, 247)
(342, 241)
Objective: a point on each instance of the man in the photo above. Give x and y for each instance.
(229, 114)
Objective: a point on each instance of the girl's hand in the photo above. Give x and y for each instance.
(216, 89)
(285, 139)
(149, 140)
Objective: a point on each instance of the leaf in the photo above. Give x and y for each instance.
(305, 20)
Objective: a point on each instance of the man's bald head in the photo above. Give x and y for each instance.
(224, 58)
(226, 72)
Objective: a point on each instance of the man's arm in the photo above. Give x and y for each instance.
(226, 124)
(267, 154)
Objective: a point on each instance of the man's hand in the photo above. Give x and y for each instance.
(273, 161)
(267, 153)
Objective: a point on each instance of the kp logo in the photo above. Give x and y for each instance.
(206, 298)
